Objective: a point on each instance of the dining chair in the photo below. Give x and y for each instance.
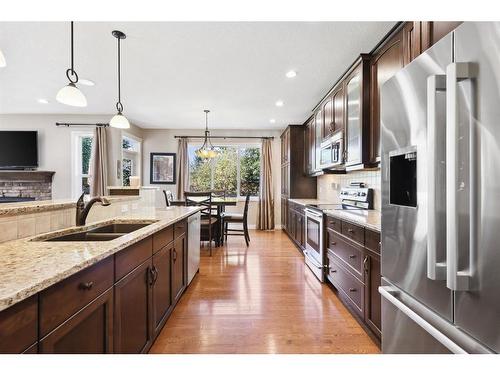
(235, 218)
(209, 223)
(169, 197)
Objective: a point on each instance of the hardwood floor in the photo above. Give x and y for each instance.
(260, 299)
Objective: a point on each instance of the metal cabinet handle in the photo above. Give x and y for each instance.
(155, 274)
(333, 243)
(86, 286)
(365, 264)
(352, 289)
(333, 271)
(352, 256)
(174, 255)
(459, 279)
(435, 270)
(350, 230)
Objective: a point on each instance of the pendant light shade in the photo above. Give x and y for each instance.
(119, 120)
(207, 150)
(3, 63)
(70, 94)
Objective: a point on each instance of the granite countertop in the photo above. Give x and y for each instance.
(304, 202)
(367, 218)
(20, 208)
(28, 266)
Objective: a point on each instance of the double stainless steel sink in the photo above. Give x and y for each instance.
(106, 232)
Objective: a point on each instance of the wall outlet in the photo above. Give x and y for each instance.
(135, 206)
(335, 186)
(124, 208)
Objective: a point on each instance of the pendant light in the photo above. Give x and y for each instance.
(119, 121)
(3, 63)
(70, 94)
(207, 150)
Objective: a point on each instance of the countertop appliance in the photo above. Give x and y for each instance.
(18, 149)
(193, 245)
(354, 197)
(440, 197)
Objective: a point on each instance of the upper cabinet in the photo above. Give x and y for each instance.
(357, 110)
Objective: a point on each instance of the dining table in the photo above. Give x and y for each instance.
(220, 203)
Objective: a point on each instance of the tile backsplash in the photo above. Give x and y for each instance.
(329, 185)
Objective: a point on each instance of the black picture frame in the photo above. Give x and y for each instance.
(155, 175)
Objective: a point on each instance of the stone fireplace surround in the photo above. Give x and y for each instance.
(27, 184)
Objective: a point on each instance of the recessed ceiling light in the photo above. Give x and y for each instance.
(272, 121)
(86, 82)
(279, 103)
(291, 74)
(43, 101)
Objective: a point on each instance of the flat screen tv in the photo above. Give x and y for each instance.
(18, 149)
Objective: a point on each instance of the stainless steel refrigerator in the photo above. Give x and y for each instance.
(440, 129)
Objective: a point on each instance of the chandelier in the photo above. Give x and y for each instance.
(207, 150)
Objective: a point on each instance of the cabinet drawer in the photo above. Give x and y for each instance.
(129, 258)
(163, 238)
(18, 326)
(346, 252)
(334, 223)
(372, 240)
(354, 232)
(65, 298)
(347, 284)
(180, 228)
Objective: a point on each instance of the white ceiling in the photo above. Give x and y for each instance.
(171, 71)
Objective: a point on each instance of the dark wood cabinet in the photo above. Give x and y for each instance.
(353, 254)
(178, 269)
(18, 326)
(357, 115)
(133, 304)
(328, 118)
(310, 147)
(162, 296)
(89, 331)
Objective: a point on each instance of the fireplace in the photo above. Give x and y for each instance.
(21, 186)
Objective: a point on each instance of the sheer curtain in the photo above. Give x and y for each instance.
(98, 166)
(266, 196)
(182, 168)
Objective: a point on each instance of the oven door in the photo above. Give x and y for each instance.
(314, 243)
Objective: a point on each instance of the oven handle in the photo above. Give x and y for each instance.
(312, 213)
(312, 260)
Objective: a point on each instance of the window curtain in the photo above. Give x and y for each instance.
(266, 195)
(182, 168)
(98, 166)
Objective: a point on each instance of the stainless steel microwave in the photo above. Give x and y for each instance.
(331, 152)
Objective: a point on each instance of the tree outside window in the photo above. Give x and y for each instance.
(236, 170)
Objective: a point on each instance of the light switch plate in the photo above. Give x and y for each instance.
(124, 208)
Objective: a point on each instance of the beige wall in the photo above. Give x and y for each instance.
(164, 141)
(329, 185)
(54, 145)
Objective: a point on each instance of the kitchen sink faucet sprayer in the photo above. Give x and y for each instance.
(82, 210)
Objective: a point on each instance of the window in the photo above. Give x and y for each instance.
(131, 158)
(236, 169)
(81, 151)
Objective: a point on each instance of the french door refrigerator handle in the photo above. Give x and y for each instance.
(435, 270)
(458, 279)
(390, 295)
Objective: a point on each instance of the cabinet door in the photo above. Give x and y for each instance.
(318, 129)
(328, 118)
(133, 311)
(338, 109)
(18, 326)
(301, 230)
(162, 298)
(178, 279)
(311, 149)
(372, 296)
(353, 145)
(385, 63)
(89, 331)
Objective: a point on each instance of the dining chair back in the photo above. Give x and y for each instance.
(209, 222)
(234, 218)
(169, 197)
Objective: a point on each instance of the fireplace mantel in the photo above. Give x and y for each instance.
(23, 176)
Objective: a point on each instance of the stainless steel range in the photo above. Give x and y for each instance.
(354, 197)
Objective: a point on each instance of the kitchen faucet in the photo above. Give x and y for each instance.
(82, 210)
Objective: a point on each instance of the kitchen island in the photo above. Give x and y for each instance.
(93, 296)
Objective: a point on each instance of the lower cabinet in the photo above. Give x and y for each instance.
(295, 223)
(18, 327)
(178, 269)
(353, 254)
(89, 331)
(133, 304)
(162, 296)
